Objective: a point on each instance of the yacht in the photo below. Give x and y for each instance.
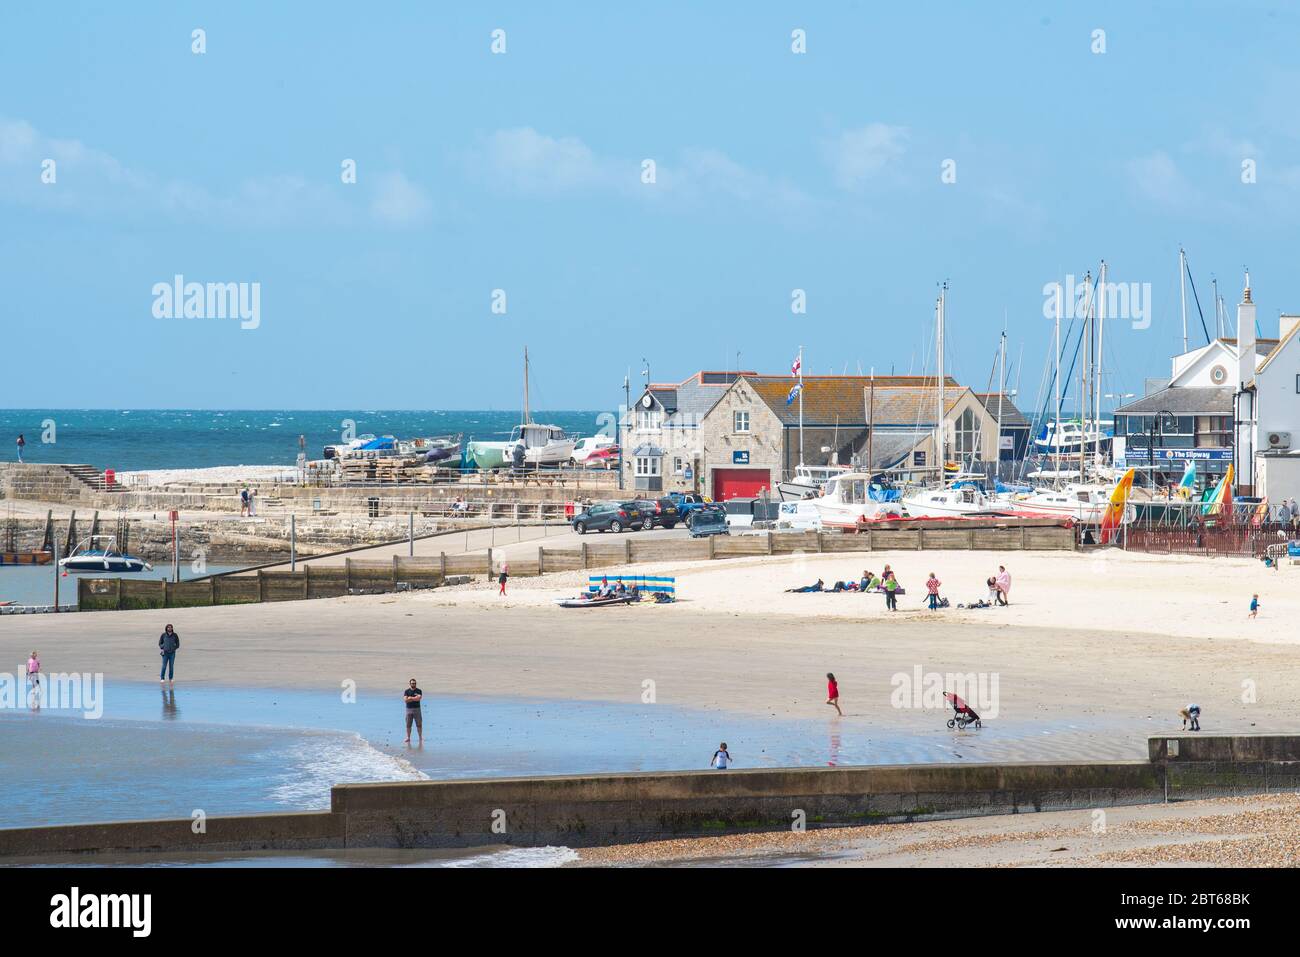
(1071, 436)
(846, 501)
(1086, 504)
(963, 501)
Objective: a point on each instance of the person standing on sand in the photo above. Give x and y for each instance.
(252, 502)
(1254, 606)
(168, 642)
(891, 592)
(22, 442)
(243, 501)
(721, 758)
(833, 693)
(413, 696)
(1003, 582)
(932, 586)
(501, 579)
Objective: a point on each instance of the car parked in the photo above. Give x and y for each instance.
(593, 450)
(608, 516)
(709, 520)
(688, 502)
(661, 512)
(605, 457)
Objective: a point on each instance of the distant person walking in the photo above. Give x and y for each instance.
(22, 443)
(1254, 607)
(1003, 582)
(414, 715)
(243, 501)
(833, 693)
(501, 579)
(932, 586)
(721, 758)
(34, 672)
(168, 643)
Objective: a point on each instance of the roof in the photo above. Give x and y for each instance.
(1262, 346)
(1277, 348)
(1189, 400)
(888, 449)
(842, 399)
(689, 401)
(1012, 418)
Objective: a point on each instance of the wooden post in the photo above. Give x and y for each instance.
(261, 585)
(117, 596)
(769, 542)
(394, 572)
(627, 551)
(821, 545)
(585, 563)
(710, 539)
(442, 565)
(347, 575)
(541, 560)
(306, 581)
(866, 532)
(489, 564)
(212, 591)
(1022, 538)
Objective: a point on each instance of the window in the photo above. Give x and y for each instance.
(740, 421)
(1213, 431)
(679, 466)
(967, 433)
(649, 420)
(647, 465)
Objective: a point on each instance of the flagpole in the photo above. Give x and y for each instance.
(801, 406)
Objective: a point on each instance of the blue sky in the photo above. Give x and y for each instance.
(521, 171)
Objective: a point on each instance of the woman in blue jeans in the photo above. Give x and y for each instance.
(168, 642)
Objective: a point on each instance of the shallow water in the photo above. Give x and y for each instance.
(229, 751)
(34, 584)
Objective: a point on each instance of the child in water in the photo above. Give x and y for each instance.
(721, 757)
(833, 693)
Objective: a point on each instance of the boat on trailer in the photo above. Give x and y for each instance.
(847, 502)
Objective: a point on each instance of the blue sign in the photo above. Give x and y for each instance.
(1139, 456)
(739, 458)
(688, 473)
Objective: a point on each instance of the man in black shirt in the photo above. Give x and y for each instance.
(413, 696)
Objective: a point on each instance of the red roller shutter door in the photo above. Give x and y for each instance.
(740, 483)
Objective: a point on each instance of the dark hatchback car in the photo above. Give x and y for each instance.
(608, 516)
(710, 520)
(661, 512)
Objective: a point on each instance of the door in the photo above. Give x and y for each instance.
(740, 483)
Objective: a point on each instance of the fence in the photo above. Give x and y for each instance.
(368, 577)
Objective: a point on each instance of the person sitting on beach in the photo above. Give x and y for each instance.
(865, 582)
(604, 591)
(619, 588)
(819, 586)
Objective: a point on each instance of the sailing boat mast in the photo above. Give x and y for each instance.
(1083, 369)
(527, 419)
(1182, 291)
(1002, 385)
(1056, 423)
(801, 406)
(1101, 332)
(938, 420)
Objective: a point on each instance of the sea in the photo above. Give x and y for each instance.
(136, 439)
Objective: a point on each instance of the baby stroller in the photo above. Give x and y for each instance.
(964, 716)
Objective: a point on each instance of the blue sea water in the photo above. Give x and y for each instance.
(131, 439)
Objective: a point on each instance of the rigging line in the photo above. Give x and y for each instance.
(1188, 270)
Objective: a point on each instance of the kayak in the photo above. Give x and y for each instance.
(594, 602)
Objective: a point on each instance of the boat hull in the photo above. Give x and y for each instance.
(95, 564)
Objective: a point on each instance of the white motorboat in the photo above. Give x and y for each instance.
(846, 502)
(1069, 436)
(808, 481)
(964, 501)
(543, 444)
(1086, 504)
(100, 553)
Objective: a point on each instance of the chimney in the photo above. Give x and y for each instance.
(1246, 359)
(1286, 325)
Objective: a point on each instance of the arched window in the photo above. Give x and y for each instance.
(967, 434)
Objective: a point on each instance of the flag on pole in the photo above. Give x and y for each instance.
(794, 393)
(1112, 520)
(796, 368)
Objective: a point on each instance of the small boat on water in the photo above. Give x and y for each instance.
(100, 553)
(848, 500)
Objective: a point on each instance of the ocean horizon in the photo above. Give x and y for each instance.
(137, 439)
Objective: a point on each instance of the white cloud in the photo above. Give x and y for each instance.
(526, 161)
(858, 156)
(1158, 178)
(399, 202)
